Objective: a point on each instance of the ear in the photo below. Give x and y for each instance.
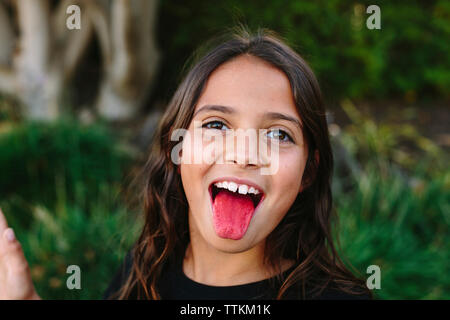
(310, 174)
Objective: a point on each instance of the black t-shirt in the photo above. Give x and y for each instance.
(175, 285)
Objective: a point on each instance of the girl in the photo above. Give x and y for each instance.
(221, 229)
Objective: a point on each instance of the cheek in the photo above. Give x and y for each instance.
(191, 177)
(193, 170)
(285, 184)
(289, 176)
(190, 172)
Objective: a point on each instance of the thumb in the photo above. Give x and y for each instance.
(15, 277)
(12, 253)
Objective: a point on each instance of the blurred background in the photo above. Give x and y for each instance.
(78, 109)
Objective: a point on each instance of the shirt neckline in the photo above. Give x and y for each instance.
(245, 289)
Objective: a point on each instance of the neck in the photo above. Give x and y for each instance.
(216, 268)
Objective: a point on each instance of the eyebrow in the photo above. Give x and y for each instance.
(282, 116)
(230, 110)
(214, 107)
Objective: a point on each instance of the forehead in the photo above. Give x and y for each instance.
(249, 83)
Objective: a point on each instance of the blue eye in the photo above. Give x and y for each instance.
(279, 135)
(218, 125)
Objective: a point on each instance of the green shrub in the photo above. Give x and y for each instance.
(409, 57)
(394, 206)
(96, 242)
(41, 163)
(385, 142)
(403, 230)
(61, 189)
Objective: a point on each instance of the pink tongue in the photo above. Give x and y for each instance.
(232, 213)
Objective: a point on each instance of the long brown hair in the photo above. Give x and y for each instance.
(304, 234)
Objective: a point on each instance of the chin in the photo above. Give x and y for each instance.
(231, 246)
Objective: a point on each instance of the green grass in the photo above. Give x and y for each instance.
(403, 230)
(43, 162)
(96, 242)
(62, 190)
(394, 207)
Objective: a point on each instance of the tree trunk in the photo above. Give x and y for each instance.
(48, 54)
(128, 77)
(38, 83)
(6, 37)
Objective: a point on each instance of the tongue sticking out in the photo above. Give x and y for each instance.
(232, 213)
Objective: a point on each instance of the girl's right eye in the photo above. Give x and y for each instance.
(216, 124)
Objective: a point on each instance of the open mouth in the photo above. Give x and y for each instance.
(233, 207)
(255, 197)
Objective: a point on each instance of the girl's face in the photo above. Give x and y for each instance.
(251, 94)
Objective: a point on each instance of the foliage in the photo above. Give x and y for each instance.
(62, 191)
(403, 230)
(96, 241)
(45, 162)
(396, 212)
(409, 57)
(390, 142)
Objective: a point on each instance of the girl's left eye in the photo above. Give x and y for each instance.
(279, 135)
(216, 124)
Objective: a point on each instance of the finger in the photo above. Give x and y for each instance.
(12, 253)
(3, 222)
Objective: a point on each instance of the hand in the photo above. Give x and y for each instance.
(15, 277)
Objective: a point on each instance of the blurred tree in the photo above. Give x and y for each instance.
(48, 53)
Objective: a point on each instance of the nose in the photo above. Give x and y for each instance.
(242, 149)
(244, 165)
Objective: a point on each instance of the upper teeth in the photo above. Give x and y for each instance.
(233, 187)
